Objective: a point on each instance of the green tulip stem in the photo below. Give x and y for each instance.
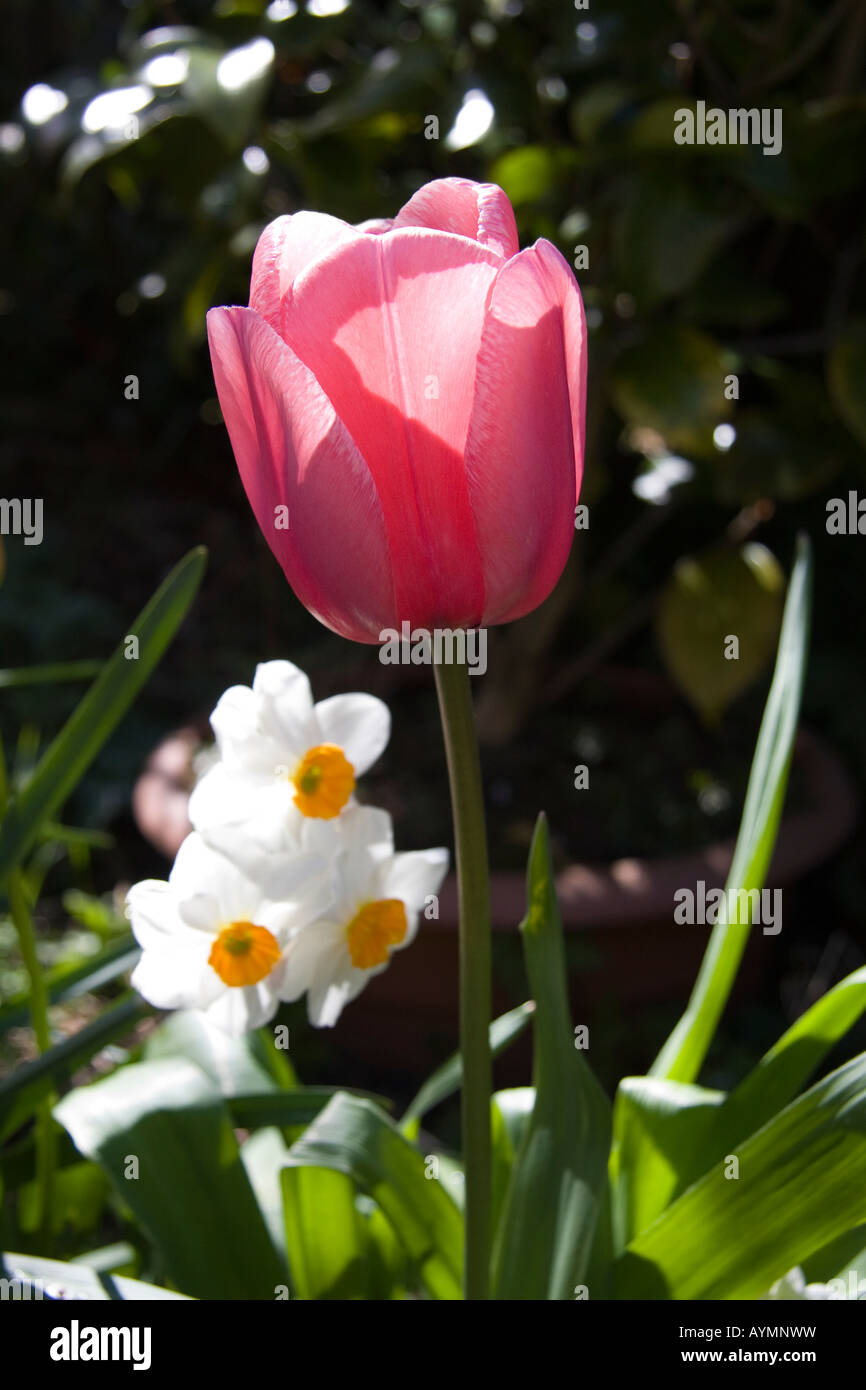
(473, 886)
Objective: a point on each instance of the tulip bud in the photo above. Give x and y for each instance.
(411, 395)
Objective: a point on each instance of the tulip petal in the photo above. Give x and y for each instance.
(390, 326)
(285, 248)
(375, 226)
(525, 444)
(293, 452)
(480, 211)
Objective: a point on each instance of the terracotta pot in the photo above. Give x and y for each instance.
(621, 912)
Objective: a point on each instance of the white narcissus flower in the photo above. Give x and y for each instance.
(377, 896)
(212, 940)
(283, 760)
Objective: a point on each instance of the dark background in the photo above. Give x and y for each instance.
(703, 261)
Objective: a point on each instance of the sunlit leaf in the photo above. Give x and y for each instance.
(683, 1054)
(356, 1138)
(766, 1206)
(187, 1186)
(544, 1239)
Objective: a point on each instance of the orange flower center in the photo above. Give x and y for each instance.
(243, 954)
(374, 930)
(324, 780)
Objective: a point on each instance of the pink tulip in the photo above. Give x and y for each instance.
(405, 401)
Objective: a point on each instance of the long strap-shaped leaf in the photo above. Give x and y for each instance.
(23, 1089)
(115, 959)
(668, 1134)
(354, 1137)
(448, 1078)
(777, 1078)
(99, 713)
(683, 1054)
(545, 1235)
(790, 1189)
(164, 1135)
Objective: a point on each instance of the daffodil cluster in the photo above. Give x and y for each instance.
(286, 886)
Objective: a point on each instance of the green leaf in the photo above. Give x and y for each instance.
(846, 1252)
(780, 1074)
(656, 1124)
(229, 111)
(510, 1113)
(191, 1194)
(596, 106)
(801, 1183)
(709, 598)
(68, 982)
(545, 1234)
(54, 674)
(448, 1078)
(515, 1106)
(263, 1155)
(532, 173)
(667, 233)
(389, 1264)
(21, 1092)
(288, 1109)
(67, 759)
(683, 1054)
(340, 1245)
(78, 1195)
(354, 1137)
(50, 1279)
(326, 1238)
(673, 382)
(785, 450)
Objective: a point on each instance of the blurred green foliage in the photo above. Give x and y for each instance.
(144, 147)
